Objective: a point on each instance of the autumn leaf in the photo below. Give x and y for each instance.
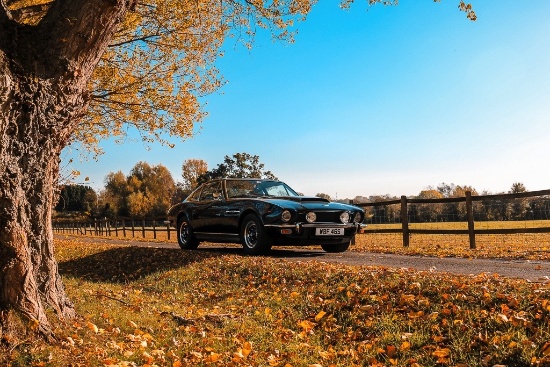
(92, 327)
(306, 325)
(213, 357)
(391, 350)
(441, 352)
(247, 348)
(320, 315)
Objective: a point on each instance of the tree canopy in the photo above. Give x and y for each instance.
(76, 198)
(161, 60)
(192, 169)
(146, 192)
(240, 165)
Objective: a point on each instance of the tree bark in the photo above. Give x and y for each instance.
(44, 71)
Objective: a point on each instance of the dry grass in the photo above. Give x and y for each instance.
(533, 246)
(166, 307)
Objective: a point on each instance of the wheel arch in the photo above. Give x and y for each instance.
(180, 215)
(245, 213)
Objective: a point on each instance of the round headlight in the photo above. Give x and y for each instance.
(357, 217)
(344, 217)
(286, 215)
(311, 217)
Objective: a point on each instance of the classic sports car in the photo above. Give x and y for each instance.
(261, 213)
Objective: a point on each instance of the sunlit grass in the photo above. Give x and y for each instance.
(166, 307)
(533, 246)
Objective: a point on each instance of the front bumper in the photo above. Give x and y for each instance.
(304, 233)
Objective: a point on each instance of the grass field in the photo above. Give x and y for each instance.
(533, 246)
(166, 307)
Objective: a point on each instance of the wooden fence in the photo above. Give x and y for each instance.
(133, 227)
(116, 227)
(468, 199)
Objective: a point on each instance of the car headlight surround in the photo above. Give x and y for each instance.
(311, 217)
(357, 217)
(344, 217)
(286, 215)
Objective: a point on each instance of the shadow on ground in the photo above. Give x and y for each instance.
(128, 263)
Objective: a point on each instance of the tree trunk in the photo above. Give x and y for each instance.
(44, 72)
(29, 165)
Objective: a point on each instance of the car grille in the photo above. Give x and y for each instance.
(325, 217)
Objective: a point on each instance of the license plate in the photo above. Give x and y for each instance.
(329, 231)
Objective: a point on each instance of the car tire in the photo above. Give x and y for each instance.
(254, 237)
(340, 247)
(186, 239)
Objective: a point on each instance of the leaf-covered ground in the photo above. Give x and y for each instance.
(164, 307)
(514, 246)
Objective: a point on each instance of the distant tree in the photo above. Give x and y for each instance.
(519, 208)
(324, 196)
(429, 212)
(446, 189)
(76, 198)
(517, 187)
(384, 214)
(430, 194)
(146, 192)
(192, 169)
(460, 191)
(114, 195)
(240, 165)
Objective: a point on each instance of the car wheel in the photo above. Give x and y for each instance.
(340, 247)
(254, 237)
(186, 239)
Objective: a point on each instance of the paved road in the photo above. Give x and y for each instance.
(534, 271)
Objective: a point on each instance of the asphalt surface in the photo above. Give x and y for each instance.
(534, 271)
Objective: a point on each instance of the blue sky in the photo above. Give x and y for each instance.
(387, 100)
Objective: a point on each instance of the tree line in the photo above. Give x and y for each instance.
(535, 208)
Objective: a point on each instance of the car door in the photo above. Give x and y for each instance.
(208, 214)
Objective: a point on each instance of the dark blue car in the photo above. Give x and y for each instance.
(262, 213)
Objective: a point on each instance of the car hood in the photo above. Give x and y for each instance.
(309, 203)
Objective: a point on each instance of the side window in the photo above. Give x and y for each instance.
(194, 196)
(211, 191)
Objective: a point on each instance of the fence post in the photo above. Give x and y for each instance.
(143, 228)
(168, 230)
(405, 221)
(470, 215)
(154, 230)
(133, 228)
(124, 228)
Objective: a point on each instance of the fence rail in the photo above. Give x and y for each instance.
(108, 227)
(406, 231)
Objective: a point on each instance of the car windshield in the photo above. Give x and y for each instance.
(257, 188)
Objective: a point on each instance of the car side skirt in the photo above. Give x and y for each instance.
(217, 237)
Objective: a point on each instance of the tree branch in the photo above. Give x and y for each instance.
(75, 33)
